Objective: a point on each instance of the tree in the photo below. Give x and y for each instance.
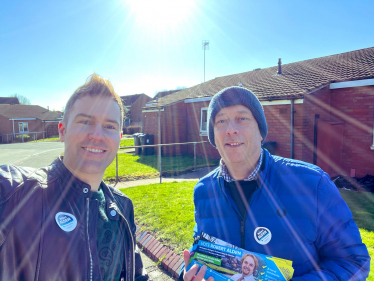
(21, 99)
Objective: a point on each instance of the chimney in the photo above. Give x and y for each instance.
(279, 67)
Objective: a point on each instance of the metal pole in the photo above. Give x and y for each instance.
(204, 64)
(194, 155)
(159, 144)
(117, 167)
(159, 152)
(292, 130)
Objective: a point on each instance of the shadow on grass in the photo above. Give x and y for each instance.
(362, 207)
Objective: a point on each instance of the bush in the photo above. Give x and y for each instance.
(26, 138)
(132, 130)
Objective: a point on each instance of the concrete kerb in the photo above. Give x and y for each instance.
(194, 176)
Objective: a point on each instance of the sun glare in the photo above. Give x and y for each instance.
(160, 13)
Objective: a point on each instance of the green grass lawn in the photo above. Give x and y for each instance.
(131, 167)
(167, 211)
(50, 139)
(127, 142)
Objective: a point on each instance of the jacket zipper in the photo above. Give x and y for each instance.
(129, 269)
(242, 221)
(88, 238)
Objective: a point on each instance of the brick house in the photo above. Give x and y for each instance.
(319, 110)
(134, 104)
(19, 118)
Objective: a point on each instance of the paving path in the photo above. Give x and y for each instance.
(154, 271)
(30, 154)
(194, 176)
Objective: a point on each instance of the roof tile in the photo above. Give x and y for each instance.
(298, 78)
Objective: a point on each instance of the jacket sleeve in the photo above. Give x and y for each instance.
(127, 208)
(140, 272)
(342, 255)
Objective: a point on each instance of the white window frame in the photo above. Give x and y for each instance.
(203, 132)
(23, 127)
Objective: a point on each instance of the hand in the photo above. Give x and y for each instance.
(191, 274)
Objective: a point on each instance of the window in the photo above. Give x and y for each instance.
(23, 127)
(204, 120)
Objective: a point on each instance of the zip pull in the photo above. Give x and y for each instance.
(241, 227)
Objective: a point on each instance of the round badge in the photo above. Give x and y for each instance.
(67, 222)
(262, 235)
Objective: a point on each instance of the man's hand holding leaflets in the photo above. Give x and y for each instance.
(223, 261)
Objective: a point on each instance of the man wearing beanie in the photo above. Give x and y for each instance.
(253, 192)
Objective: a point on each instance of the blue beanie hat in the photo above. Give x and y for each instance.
(234, 96)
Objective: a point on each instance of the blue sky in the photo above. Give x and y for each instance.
(49, 48)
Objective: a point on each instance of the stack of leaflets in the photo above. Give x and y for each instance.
(228, 262)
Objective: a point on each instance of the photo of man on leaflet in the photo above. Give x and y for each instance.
(249, 266)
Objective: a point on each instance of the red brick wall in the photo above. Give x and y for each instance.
(278, 118)
(6, 126)
(136, 108)
(316, 103)
(355, 106)
(193, 132)
(51, 129)
(173, 128)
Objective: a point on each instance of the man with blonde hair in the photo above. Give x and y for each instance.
(62, 222)
(249, 266)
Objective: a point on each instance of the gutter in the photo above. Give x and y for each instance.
(19, 119)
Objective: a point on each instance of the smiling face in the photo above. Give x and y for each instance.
(91, 135)
(248, 266)
(237, 136)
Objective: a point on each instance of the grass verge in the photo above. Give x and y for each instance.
(127, 142)
(50, 139)
(132, 167)
(167, 211)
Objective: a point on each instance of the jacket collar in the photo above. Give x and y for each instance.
(68, 180)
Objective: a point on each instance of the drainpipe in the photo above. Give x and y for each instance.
(13, 128)
(292, 129)
(315, 139)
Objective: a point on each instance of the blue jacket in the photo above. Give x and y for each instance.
(309, 222)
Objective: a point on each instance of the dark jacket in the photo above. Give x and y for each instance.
(32, 244)
(309, 222)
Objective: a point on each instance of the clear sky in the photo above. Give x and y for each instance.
(49, 48)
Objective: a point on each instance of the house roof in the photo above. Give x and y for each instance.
(165, 93)
(28, 111)
(9, 100)
(296, 80)
(130, 99)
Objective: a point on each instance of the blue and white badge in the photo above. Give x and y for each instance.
(262, 235)
(67, 222)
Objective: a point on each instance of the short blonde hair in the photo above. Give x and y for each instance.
(94, 86)
(254, 259)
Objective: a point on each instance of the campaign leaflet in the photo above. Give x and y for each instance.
(228, 262)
